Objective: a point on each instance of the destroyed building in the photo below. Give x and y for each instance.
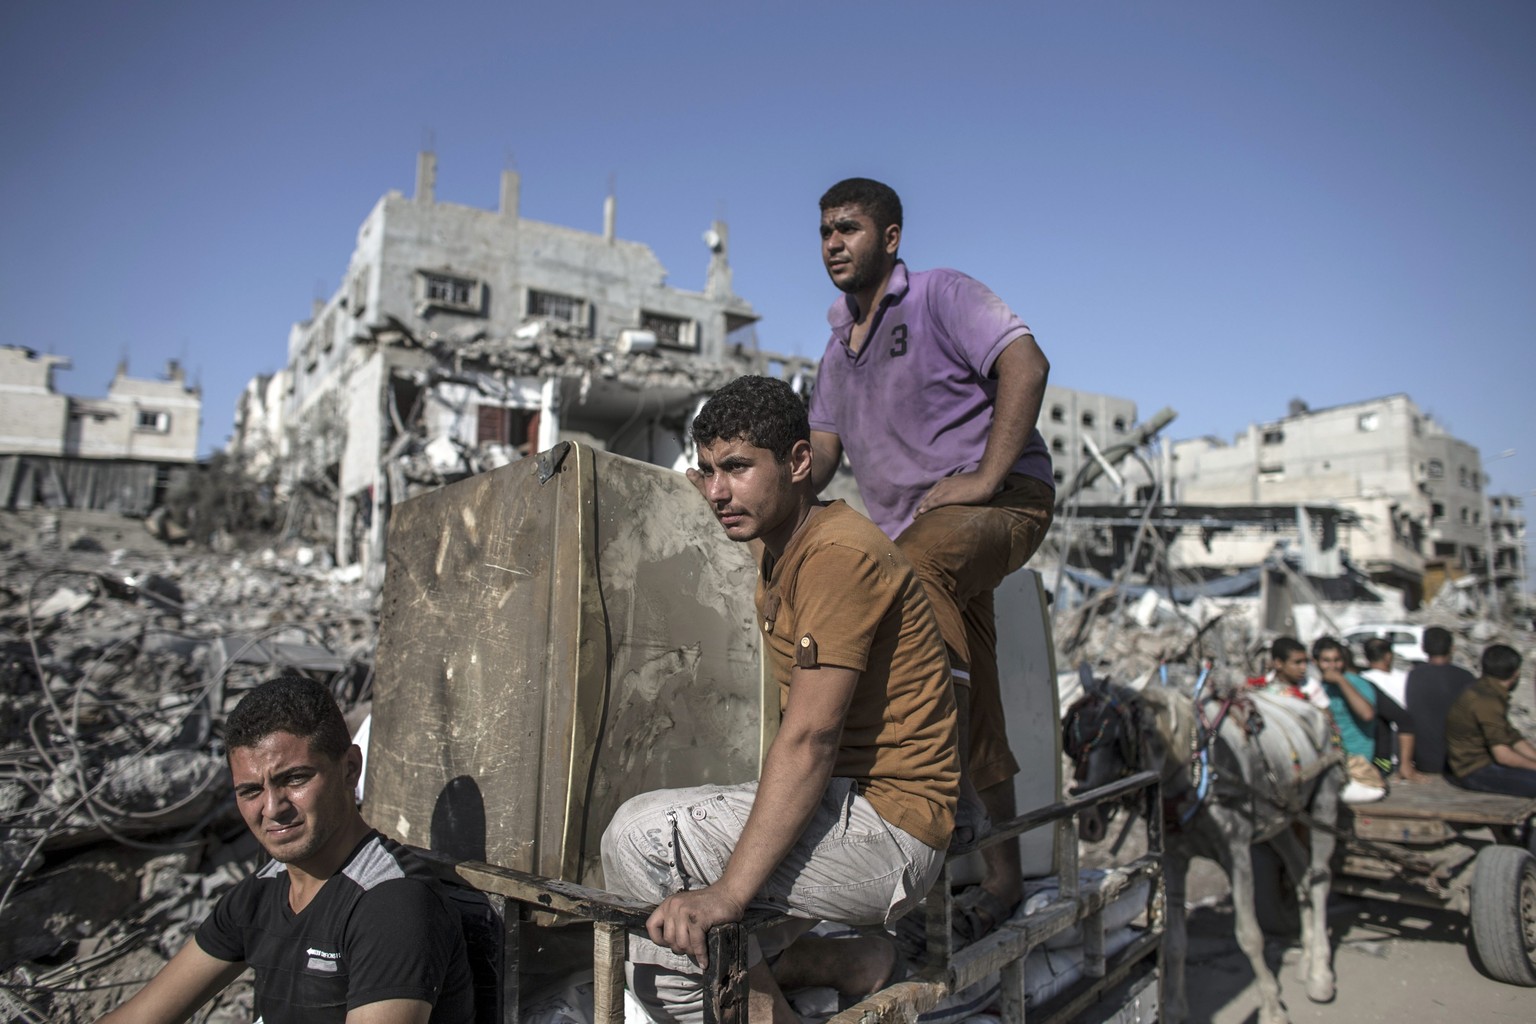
(1416, 491)
(1079, 427)
(1506, 533)
(462, 338)
(120, 453)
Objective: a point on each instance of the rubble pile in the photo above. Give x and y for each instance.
(1126, 638)
(118, 830)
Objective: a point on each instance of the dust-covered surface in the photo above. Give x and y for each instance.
(119, 659)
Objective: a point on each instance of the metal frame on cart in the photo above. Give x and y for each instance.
(509, 897)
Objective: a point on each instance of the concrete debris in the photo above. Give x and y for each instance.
(118, 830)
(120, 659)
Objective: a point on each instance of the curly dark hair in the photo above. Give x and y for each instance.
(875, 198)
(763, 411)
(289, 703)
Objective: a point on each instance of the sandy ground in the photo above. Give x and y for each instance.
(1392, 964)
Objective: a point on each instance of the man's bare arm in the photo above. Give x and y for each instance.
(1511, 756)
(1357, 702)
(826, 454)
(1021, 370)
(795, 774)
(1405, 748)
(190, 979)
(391, 1011)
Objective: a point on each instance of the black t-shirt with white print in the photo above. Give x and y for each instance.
(380, 928)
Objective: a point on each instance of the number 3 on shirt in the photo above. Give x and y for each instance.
(899, 336)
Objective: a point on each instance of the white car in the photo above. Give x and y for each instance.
(1407, 640)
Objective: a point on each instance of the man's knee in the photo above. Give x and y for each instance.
(629, 845)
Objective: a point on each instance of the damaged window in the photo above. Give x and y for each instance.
(447, 291)
(1058, 414)
(1369, 421)
(153, 421)
(357, 299)
(1436, 469)
(495, 424)
(1058, 446)
(670, 331)
(1436, 511)
(1087, 419)
(1119, 424)
(554, 306)
(1273, 436)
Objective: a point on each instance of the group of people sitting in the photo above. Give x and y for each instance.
(1437, 719)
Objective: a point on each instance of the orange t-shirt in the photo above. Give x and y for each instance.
(842, 595)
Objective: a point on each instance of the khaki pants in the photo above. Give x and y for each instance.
(848, 866)
(961, 553)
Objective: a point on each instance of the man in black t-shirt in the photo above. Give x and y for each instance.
(1431, 690)
(343, 925)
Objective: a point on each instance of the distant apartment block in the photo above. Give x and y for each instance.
(1506, 532)
(116, 452)
(1078, 424)
(1417, 491)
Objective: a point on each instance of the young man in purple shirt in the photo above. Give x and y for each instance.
(932, 386)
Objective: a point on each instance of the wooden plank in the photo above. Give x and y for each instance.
(610, 945)
(511, 960)
(554, 895)
(725, 979)
(1439, 799)
(1087, 991)
(1057, 811)
(940, 947)
(901, 1003)
(1013, 993)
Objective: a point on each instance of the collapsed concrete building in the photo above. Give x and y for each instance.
(1415, 491)
(461, 339)
(121, 453)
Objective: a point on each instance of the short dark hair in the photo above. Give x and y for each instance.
(763, 411)
(1436, 642)
(1501, 661)
(292, 704)
(1328, 643)
(1376, 648)
(875, 198)
(1284, 647)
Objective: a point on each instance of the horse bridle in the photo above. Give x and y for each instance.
(1080, 749)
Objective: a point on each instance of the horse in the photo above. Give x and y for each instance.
(1236, 770)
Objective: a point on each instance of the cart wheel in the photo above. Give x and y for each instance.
(1504, 913)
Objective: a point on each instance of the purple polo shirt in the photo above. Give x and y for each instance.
(914, 405)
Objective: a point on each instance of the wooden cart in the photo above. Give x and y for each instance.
(1432, 844)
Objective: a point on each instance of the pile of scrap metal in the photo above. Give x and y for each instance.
(117, 825)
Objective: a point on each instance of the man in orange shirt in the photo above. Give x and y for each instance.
(852, 814)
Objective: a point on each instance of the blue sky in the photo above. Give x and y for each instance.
(1213, 206)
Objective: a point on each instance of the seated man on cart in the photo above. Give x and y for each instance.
(1484, 752)
(852, 814)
